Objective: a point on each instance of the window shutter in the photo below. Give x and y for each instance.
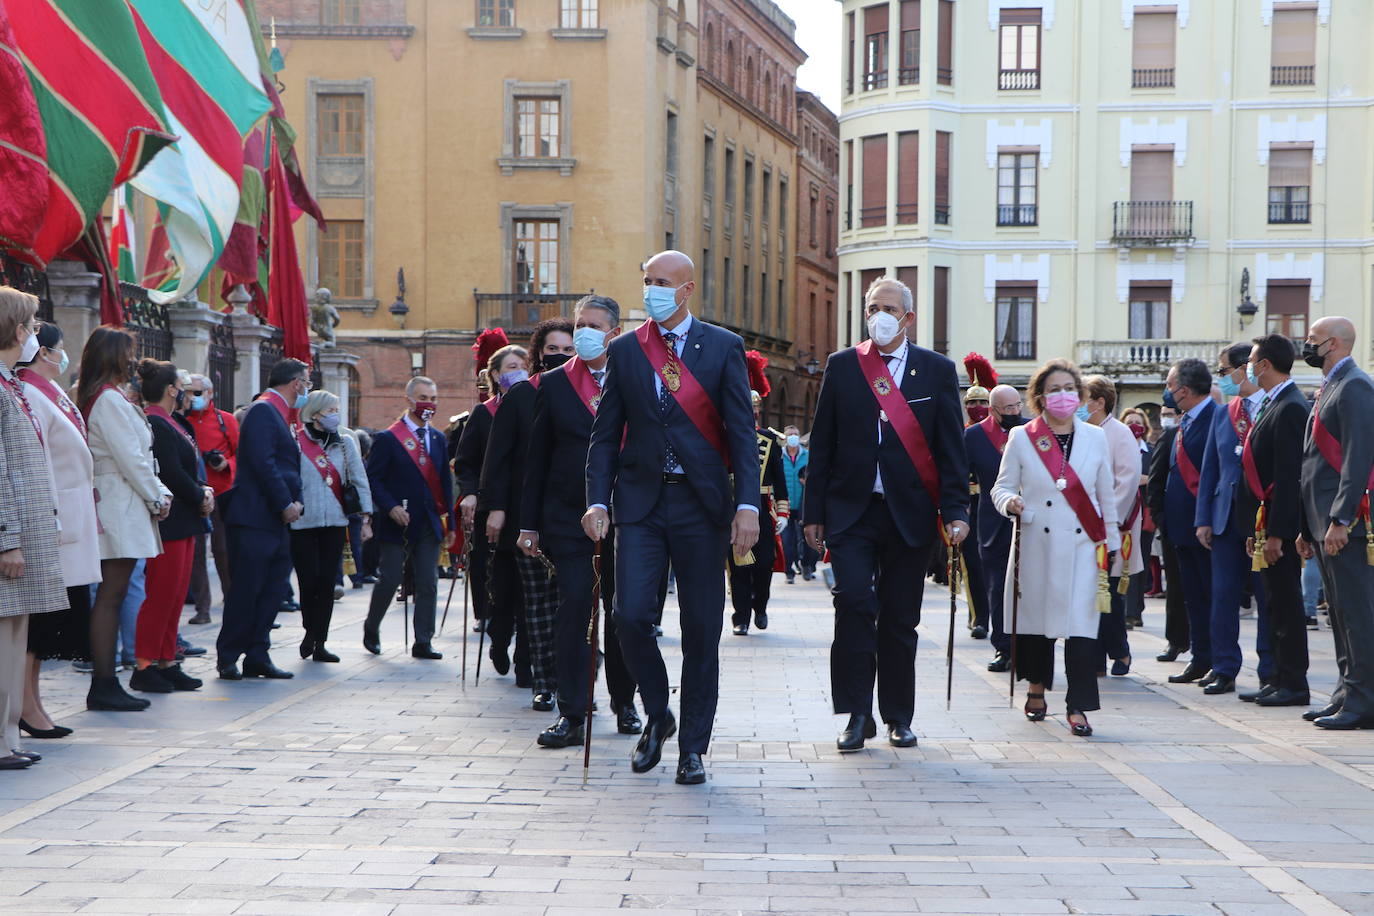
(1290, 168)
(1288, 298)
(942, 152)
(941, 313)
(911, 14)
(1021, 17)
(874, 204)
(945, 51)
(866, 279)
(875, 20)
(1295, 38)
(908, 183)
(1152, 175)
(1152, 38)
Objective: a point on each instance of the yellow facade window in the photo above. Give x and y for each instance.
(340, 119)
(535, 258)
(578, 14)
(341, 12)
(537, 128)
(496, 14)
(341, 258)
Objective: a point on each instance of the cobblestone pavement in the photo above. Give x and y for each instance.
(382, 785)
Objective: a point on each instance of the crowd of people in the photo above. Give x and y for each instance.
(599, 466)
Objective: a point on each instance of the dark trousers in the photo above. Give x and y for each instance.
(751, 585)
(315, 552)
(977, 586)
(1349, 584)
(479, 555)
(423, 554)
(1111, 628)
(354, 541)
(573, 558)
(1142, 581)
(1195, 575)
(677, 530)
(505, 611)
(1231, 575)
(995, 560)
(1176, 629)
(539, 593)
(1288, 619)
(369, 558)
(792, 544)
(1035, 664)
(879, 581)
(260, 567)
(218, 540)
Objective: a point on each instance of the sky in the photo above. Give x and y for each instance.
(818, 34)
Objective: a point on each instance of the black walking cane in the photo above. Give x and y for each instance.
(592, 642)
(1015, 606)
(467, 589)
(405, 561)
(952, 573)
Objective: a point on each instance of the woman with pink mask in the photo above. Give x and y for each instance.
(1056, 475)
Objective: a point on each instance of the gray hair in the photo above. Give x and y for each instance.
(205, 381)
(605, 303)
(416, 382)
(1194, 375)
(317, 403)
(908, 303)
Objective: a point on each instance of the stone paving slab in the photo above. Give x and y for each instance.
(384, 785)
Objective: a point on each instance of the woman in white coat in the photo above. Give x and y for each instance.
(130, 499)
(1099, 405)
(64, 634)
(1056, 475)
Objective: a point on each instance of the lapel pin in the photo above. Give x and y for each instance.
(696, 346)
(913, 371)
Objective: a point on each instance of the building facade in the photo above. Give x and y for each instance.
(514, 155)
(1123, 182)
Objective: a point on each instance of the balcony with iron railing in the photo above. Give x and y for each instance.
(1017, 214)
(1143, 356)
(1152, 78)
(1300, 75)
(907, 214)
(942, 214)
(1289, 211)
(1146, 223)
(518, 313)
(872, 216)
(876, 79)
(1018, 79)
(909, 76)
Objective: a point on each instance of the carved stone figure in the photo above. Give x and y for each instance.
(324, 318)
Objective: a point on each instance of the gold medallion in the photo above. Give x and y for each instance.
(596, 402)
(410, 444)
(1043, 443)
(671, 377)
(882, 385)
(322, 461)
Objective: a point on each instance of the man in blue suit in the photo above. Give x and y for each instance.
(265, 499)
(1188, 389)
(412, 491)
(1222, 525)
(674, 423)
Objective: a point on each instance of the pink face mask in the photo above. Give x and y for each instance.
(1061, 404)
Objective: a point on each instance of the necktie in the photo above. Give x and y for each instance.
(598, 375)
(665, 401)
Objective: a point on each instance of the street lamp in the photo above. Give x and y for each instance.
(1247, 308)
(807, 360)
(399, 310)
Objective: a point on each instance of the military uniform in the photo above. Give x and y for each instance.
(751, 583)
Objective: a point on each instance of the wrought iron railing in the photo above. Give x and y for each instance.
(909, 76)
(1290, 211)
(149, 321)
(518, 313)
(1017, 214)
(1018, 79)
(28, 278)
(907, 213)
(270, 352)
(222, 363)
(1152, 77)
(877, 79)
(942, 214)
(1300, 75)
(1152, 222)
(872, 216)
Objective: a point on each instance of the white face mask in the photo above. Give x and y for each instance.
(29, 350)
(1168, 422)
(883, 328)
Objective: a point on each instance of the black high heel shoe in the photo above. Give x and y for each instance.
(1036, 715)
(321, 654)
(57, 731)
(1080, 729)
(307, 647)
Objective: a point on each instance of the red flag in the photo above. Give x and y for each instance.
(23, 153)
(286, 303)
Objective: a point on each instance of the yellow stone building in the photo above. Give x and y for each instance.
(1123, 182)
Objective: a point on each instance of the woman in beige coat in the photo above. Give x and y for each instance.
(65, 634)
(130, 499)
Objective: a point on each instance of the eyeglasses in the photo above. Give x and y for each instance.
(195, 394)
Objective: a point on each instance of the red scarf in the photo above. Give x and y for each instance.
(1047, 447)
(315, 452)
(894, 408)
(1331, 450)
(1186, 468)
(674, 375)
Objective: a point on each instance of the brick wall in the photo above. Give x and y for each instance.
(385, 367)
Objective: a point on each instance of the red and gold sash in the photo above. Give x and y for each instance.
(421, 457)
(1240, 419)
(156, 410)
(17, 388)
(1186, 468)
(289, 414)
(1331, 450)
(683, 386)
(1052, 456)
(315, 452)
(994, 431)
(894, 408)
(580, 377)
(54, 394)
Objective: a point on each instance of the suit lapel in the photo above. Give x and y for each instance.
(910, 382)
(691, 349)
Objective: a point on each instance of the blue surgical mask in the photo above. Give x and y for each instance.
(793, 441)
(1229, 386)
(61, 364)
(301, 399)
(589, 343)
(198, 402)
(1083, 413)
(660, 301)
(328, 421)
(1250, 374)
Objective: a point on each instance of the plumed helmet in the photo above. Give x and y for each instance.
(981, 376)
(487, 343)
(758, 382)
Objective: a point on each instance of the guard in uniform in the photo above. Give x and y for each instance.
(750, 583)
(468, 454)
(981, 377)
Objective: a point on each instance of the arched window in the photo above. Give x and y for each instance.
(711, 61)
(749, 80)
(729, 73)
(768, 94)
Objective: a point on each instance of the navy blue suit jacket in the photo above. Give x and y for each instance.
(846, 453)
(984, 463)
(267, 478)
(555, 465)
(628, 477)
(1180, 506)
(1221, 477)
(394, 477)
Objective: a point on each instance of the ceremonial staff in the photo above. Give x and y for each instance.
(592, 641)
(1015, 605)
(405, 562)
(952, 573)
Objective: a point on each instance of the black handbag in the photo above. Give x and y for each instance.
(352, 503)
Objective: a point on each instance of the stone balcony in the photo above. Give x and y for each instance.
(1143, 359)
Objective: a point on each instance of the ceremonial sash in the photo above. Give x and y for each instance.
(1047, 447)
(491, 404)
(683, 386)
(1240, 419)
(156, 410)
(420, 456)
(1331, 451)
(315, 452)
(580, 377)
(286, 411)
(1186, 468)
(54, 394)
(894, 408)
(86, 408)
(17, 388)
(995, 433)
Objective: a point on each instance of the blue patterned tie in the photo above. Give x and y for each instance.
(665, 401)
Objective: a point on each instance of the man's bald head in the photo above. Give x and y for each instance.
(1334, 339)
(669, 268)
(1004, 396)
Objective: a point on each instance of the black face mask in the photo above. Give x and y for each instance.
(181, 400)
(554, 360)
(1311, 353)
(1009, 420)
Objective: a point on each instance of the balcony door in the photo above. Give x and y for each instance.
(1152, 191)
(1285, 308)
(1149, 311)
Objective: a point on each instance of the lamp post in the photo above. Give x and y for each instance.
(1247, 308)
(399, 310)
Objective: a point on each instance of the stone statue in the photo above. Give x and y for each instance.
(324, 318)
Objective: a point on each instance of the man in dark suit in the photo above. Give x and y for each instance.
(412, 491)
(265, 499)
(887, 468)
(1224, 524)
(983, 444)
(552, 502)
(1189, 384)
(1272, 461)
(673, 425)
(1157, 476)
(1337, 457)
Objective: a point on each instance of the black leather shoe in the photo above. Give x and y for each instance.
(307, 647)
(149, 680)
(627, 720)
(372, 642)
(899, 734)
(1208, 678)
(228, 671)
(1345, 720)
(500, 659)
(860, 728)
(740, 629)
(1220, 684)
(290, 605)
(321, 654)
(563, 733)
(1000, 662)
(15, 762)
(690, 770)
(1285, 696)
(1251, 696)
(424, 650)
(1330, 709)
(1194, 672)
(761, 619)
(30, 756)
(542, 702)
(1170, 654)
(658, 631)
(57, 731)
(267, 670)
(179, 679)
(649, 751)
(106, 693)
(979, 632)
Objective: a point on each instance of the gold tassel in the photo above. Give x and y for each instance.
(350, 568)
(1104, 589)
(1257, 561)
(1368, 546)
(1123, 587)
(746, 560)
